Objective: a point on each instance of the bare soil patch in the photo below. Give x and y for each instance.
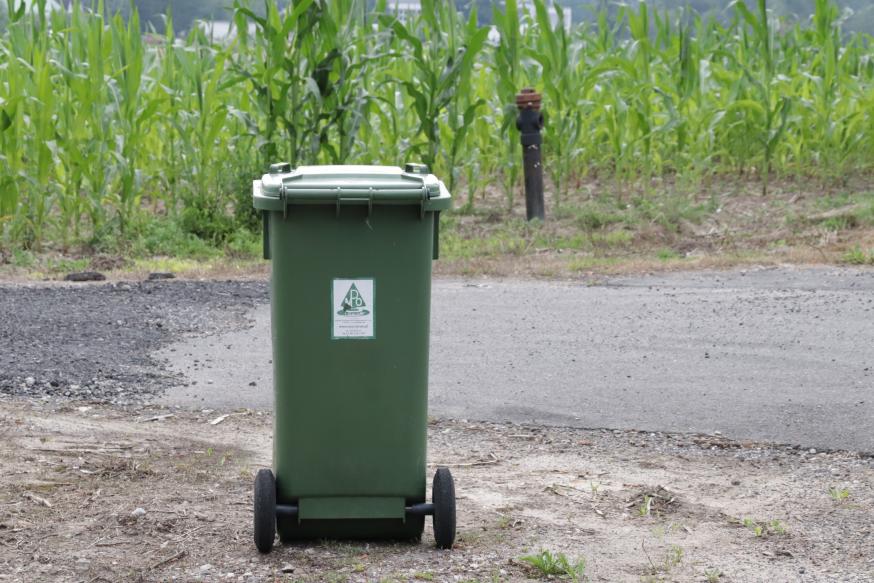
(635, 506)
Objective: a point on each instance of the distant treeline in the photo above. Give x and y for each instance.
(860, 13)
(152, 12)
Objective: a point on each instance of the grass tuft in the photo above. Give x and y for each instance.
(839, 494)
(549, 565)
(859, 256)
(763, 529)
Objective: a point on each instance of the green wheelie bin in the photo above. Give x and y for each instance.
(351, 248)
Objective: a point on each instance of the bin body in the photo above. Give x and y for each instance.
(350, 299)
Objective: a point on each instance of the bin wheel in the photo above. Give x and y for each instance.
(443, 495)
(265, 510)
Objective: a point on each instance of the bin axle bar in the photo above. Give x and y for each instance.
(423, 509)
(287, 511)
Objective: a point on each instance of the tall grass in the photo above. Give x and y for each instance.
(102, 125)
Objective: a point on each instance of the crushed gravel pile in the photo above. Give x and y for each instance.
(94, 342)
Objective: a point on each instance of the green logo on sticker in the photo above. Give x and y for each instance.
(353, 304)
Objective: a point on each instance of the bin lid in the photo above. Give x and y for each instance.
(285, 186)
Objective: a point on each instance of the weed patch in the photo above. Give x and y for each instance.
(839, 494)
(859, 256)
(712, 575)
(764, 529)
(654, 502)
(549, 565)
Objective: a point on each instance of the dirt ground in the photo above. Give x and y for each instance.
(634, 506)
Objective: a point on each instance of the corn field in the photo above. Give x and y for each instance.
(102, 125)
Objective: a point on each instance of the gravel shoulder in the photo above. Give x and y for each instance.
(635, 506)
(95, 341)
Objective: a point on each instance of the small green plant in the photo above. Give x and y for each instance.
(837, 224)
(858, 256)
(838, 494)
(556, 565)
(23, 258)
(591, 218)
(646, 507)
(712, 575)
(762, 529)
(424, 576)
(673, 557)
(66, 265)
(757, 528)
(667, 254)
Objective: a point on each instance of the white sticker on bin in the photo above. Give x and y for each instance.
(352, 309)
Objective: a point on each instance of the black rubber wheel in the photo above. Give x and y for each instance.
(265, 510)
(443, 495)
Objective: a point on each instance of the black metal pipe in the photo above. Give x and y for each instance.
(529, 123)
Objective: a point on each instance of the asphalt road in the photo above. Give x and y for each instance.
(784, 355)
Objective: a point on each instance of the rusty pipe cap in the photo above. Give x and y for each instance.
(528, 98)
